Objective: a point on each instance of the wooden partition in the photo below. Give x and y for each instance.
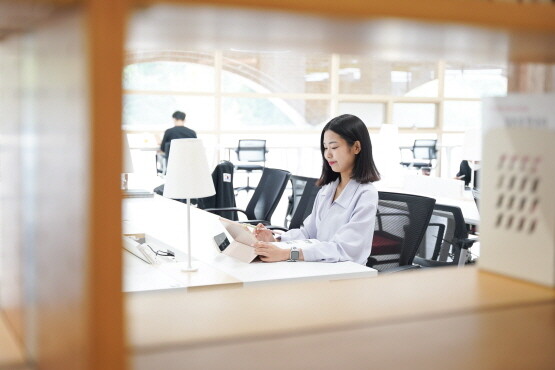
(60, 283)
(60, 85)
(11, 187)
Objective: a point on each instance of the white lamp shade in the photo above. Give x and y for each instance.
(188, 175)
(385, 148)
(472, 145)
(127, 161)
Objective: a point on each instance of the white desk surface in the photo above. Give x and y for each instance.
(467, 206)
(166, 220)
(141, 276)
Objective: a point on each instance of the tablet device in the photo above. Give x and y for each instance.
(222, 241)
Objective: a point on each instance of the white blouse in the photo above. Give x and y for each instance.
(344, 227)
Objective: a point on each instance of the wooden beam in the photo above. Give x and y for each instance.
(502, 15)
(106, 29)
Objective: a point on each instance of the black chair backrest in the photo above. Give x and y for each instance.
(267, 194)
(446, 230)
(225, 195)
(303, 197)
(424, 149)
(251, 150)
(401, 222)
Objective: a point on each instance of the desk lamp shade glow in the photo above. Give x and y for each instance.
(188, 177)
(472, 151)
(127, 163)
(385, 149)
(472, 145)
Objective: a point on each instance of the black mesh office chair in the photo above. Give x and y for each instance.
(301, 202)
(446, 242)
(424, 152)
(161, 164)
(298, 186)
(162, 159)
(264, 199)
(250, 151)
(401, 222)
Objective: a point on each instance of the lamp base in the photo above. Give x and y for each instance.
(192, 268)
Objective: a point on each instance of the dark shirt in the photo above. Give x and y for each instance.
(176, 132)
(465, 171)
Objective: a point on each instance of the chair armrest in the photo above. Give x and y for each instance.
(254, 222)
(218, 210)
(272, 227)
(466, 243)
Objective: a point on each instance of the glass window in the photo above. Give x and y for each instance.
(170, 76)
(298, 154)
(462, 114)
(275, 72)
(373, 114)
(156, 110)
(476, 81)
(264, 112)
(359, 75)
(419, 115)
(274, 94)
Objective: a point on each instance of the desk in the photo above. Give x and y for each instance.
(166, 220)
(141, 276)
(467, 206)
(415, 320)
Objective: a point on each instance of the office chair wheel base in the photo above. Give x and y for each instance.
(245, 188)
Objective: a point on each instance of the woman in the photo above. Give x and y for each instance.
(344, 212)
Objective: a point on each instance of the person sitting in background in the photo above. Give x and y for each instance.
(465, 173)
(179, 131)
(344, 212)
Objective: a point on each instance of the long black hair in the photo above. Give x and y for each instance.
(351, 129)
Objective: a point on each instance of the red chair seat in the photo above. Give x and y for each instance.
(383, 243)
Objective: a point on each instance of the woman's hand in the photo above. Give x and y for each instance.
(270, 253)
(263, 234)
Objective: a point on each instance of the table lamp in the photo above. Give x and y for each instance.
(127, 164)
(385, 149)
(188, 177)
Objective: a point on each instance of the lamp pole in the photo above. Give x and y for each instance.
(190, 267)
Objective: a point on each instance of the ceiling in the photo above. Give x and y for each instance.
(16, 16)
(186, 26)
(200, 27)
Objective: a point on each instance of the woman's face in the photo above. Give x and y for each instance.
(339, 154)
